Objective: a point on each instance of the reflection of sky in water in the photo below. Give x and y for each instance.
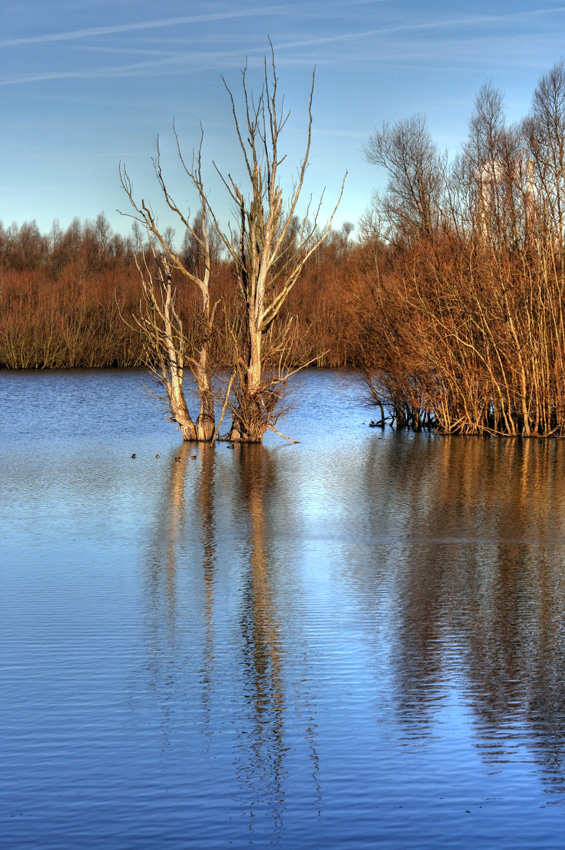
(354, 640)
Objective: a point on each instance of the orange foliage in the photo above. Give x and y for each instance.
(67, 300)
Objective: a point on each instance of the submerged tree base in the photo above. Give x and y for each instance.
(489, 425)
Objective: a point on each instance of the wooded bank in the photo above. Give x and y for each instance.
(67, 299)
(449, 297)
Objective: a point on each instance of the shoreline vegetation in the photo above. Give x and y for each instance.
(67, 298)
(449, 298)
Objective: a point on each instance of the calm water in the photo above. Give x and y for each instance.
(354, 642)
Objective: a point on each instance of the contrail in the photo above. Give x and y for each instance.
(146, 25)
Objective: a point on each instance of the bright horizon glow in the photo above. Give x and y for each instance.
(84, 87)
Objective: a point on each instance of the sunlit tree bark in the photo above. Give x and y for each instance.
(268, 249)
(469, 324)
(266, 261)
(158, 318)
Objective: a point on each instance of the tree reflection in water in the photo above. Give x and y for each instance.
(355, 641)
(477, 527)
(261, 754)
(450, 550)
(165, 623)
(222, 647)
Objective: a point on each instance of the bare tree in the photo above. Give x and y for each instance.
(268, 250)
(412, 201)
(158, 317)
(267, 262)
(495, 171)
(467, 333)
(544, 129)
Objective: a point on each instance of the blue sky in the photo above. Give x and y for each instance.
(85, 86)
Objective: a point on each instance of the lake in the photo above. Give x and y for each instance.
(353, 642)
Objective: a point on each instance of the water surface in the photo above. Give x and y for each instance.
(355, 641)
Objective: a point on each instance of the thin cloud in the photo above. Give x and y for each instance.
(93, 32)
(172, 58)
(99, 73)
(450, 23)
(126, 51)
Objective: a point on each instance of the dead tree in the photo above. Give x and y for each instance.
(163, 335)
(267, 263)
(412, 201)
(158, 318)
(268, 250)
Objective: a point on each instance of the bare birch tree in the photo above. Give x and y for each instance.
(412, 201)
(158, 318)
(268, 249)
(266, 261)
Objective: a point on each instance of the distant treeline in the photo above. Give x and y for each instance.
(67, 298)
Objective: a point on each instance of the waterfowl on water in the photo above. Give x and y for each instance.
(133, 455)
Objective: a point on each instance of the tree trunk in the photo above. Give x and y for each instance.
(205, 424)
(179, 409)
(250, 423)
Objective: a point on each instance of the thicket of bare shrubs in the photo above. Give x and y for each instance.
(465, 331)
(67, 299)
(61, 296)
